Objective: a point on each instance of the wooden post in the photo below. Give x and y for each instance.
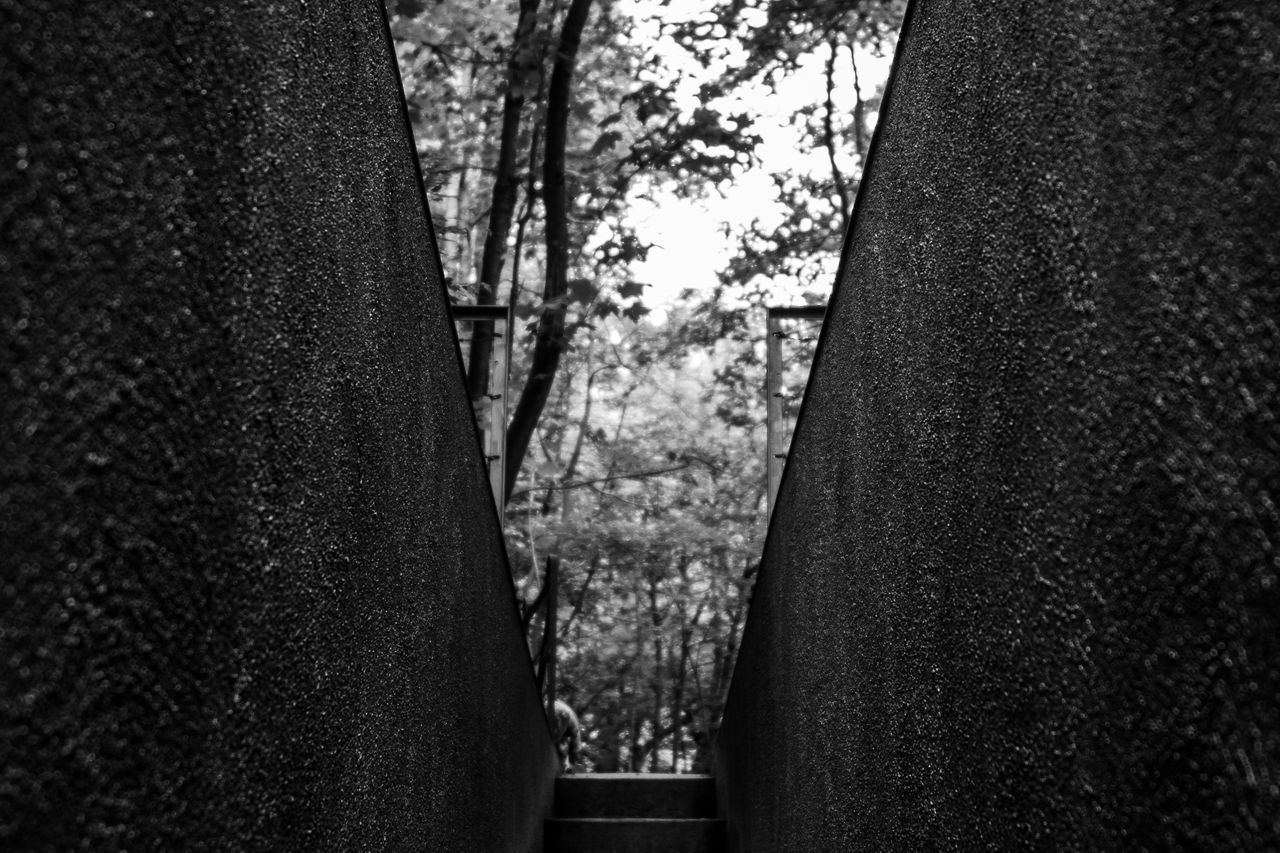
(493, 321)
(496, 442)
(773, 400)
(777, 436)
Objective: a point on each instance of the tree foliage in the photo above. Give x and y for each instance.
(654, 503)
(636, 455)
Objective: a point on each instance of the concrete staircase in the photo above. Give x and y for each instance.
(635, 813)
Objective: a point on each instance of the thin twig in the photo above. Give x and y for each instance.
(638, 475)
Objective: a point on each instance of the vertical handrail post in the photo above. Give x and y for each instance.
(496, 444)
(493, 321)
(774, 411)
(777, 437)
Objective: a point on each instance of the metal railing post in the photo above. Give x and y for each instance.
(494, 320)
(776, 457)
(776, 434)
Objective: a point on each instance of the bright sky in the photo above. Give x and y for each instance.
(689, 243)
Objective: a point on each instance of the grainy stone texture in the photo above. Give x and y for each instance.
(254, 595)
(1021, 586)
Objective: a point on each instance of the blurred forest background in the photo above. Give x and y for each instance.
(571, 150)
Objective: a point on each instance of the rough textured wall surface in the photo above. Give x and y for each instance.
(254, 595)
(1021, 590)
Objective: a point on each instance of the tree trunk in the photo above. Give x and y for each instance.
(829, 133)
(859, 112)
(655, 616)
(682, 667)
(550, 340)
(521, 66)
(549, 633)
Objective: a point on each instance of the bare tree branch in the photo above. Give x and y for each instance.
(550, 339)
(521, 66)
(829, 133)
(638, 475)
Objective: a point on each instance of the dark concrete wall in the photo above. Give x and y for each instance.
(254, 593)
(1021, 588)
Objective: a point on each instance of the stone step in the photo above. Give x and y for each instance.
(636, 795)
(634, 835)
